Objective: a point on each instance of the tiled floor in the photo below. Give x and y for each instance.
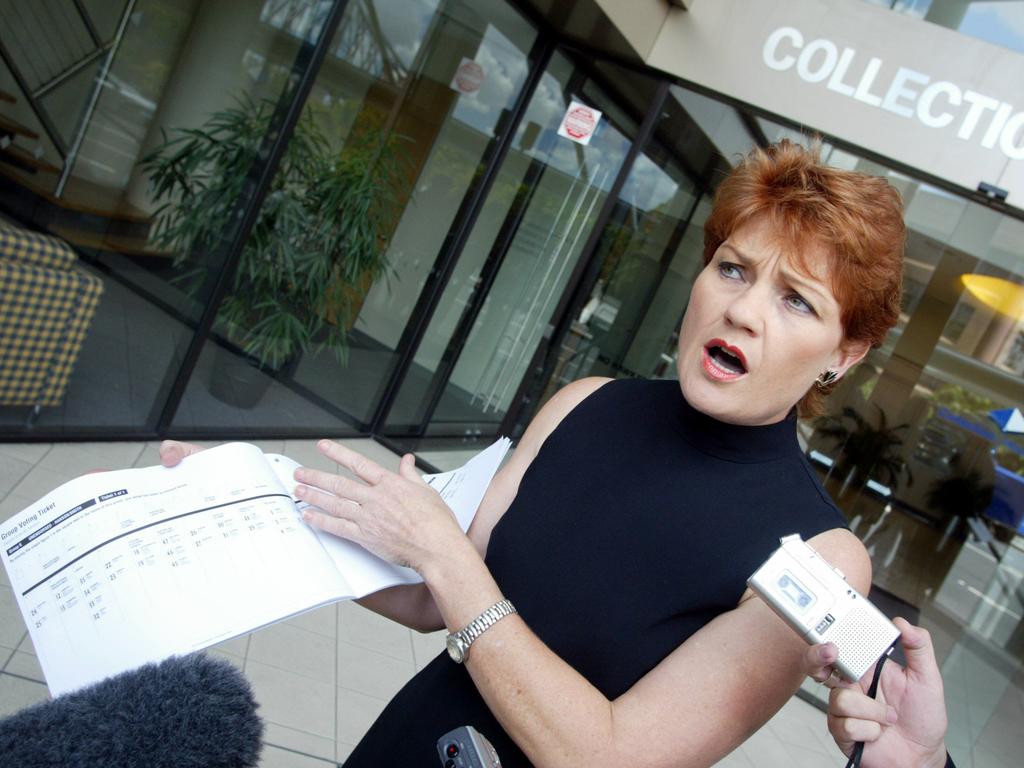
(322, 677)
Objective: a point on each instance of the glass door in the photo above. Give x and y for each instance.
(410, 97)
(100, 88)
(649, 254)
(623, 318)
(525, 250)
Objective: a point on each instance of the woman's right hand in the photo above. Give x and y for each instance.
(172, 452)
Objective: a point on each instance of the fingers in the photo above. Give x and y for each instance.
(854, 704)
(917, 647)
(342, 487)
(407, 469)
(367, 470)
(356, 463)
(338, 526)
(172, 452)
(818, 660)
(327, 503)
(846, 731)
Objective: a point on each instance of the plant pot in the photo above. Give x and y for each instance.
(237, 379)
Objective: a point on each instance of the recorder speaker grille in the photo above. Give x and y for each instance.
(861, 639)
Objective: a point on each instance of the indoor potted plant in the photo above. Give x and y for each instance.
(866, 451)
(318, 240)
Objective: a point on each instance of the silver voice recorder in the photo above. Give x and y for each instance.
(466, 747)
(816, 601)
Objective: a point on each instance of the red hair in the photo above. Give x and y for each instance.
(856, 218)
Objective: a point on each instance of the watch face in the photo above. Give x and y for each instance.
(455, 649)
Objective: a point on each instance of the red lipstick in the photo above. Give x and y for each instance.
(734, 351)
(722, 361)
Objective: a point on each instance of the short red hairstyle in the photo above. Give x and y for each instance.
(856, 218)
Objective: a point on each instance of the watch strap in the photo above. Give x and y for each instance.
(484, 621)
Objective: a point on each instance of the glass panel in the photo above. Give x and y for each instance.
(721, 123)
(995, 21)
(936, 489)
(650, 253)
(105, 15)
(626, 324)
(44, 39)
(66, 103)
(435, 79)
(927, 461)
(51, 53)
(524, 246)
(176, 64)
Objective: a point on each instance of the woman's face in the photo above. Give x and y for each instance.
(757, 332)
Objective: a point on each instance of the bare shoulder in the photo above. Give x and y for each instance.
(572, 394)
(846, 552)
(556, 409)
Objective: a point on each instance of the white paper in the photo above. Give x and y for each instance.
(461, 489)
(116, 569)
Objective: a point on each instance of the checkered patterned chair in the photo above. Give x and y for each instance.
(46, 305)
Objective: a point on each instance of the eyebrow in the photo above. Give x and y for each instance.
(796, 279)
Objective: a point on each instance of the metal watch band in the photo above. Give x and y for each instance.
(485, 621)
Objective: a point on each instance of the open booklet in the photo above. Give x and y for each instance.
(116, 569)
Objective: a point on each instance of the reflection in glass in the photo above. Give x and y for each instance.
(650, 252)
(454, 127)
(387, 100)
(921, 452)
(524, 247)
(162, 67)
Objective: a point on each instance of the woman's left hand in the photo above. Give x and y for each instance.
(396, 516)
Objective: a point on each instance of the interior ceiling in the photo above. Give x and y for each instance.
(584, 22)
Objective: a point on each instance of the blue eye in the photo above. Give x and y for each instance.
(729, 270)
(797, 302)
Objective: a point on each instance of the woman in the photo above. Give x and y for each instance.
(626, 522)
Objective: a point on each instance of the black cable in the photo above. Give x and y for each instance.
(858, 748)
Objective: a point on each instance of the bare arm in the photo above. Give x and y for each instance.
(413, 605)
(698, 704)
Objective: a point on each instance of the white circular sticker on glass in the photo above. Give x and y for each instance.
(579, 123)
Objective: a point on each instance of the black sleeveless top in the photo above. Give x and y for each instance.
(637, 523)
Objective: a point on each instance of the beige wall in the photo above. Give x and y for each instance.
(913, 92)
(639, 21)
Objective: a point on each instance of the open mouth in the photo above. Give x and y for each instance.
(727, 360)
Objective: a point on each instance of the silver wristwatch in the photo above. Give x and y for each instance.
(458, 642)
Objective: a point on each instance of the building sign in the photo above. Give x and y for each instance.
(926, 97)
(468, 78)
(579, 123)
(981, 118)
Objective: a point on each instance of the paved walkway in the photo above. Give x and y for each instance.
(320, 678)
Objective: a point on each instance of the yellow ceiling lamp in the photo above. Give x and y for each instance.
(1001, 295)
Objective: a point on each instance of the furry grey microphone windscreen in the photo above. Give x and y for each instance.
(187, 712)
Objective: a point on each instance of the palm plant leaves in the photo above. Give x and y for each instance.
(963, 493)
(866, 449)
(320, 231)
